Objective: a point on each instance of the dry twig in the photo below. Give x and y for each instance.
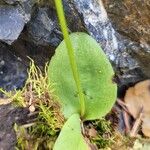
(137, 124)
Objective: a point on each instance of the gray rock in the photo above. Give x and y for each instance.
(9, 116)
(43, 28)
(13, 72)
(14, 1)
(13, 19)
(75, 21)
(115, 45)
(98, 25)
(11, 24)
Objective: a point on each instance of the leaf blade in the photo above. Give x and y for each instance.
(70, 136)
(96, 76)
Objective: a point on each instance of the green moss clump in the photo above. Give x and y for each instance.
(104, 137)
(38, 94)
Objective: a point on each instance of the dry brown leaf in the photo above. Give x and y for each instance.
(32, 108)
(136, 126)
(92, 132)
(146, 125)
(138, 97)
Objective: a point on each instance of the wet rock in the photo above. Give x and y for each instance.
(14, 62)
(13, 19)
(39, 53)
(11, 24)
(43, 28)
(13, 72)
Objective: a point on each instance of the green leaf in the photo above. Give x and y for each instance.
(70, 137)
(95, 73)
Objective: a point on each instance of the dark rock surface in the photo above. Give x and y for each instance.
(11, 24)
(8, 117)
(13, 19)
(13, 72)
(43, 28)
(132, 20)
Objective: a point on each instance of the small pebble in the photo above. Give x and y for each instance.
(32, 108)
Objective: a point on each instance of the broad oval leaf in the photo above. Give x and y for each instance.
(70, 136)
(96, 75)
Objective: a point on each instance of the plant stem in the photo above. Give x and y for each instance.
(62, 20)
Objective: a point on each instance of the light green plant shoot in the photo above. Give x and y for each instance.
(70, 50)
(71, 137)
(82, 77)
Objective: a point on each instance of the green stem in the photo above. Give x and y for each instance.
(62, 20)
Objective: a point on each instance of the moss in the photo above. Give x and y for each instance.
(38, 95)
(104, 136)
(107, 136)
